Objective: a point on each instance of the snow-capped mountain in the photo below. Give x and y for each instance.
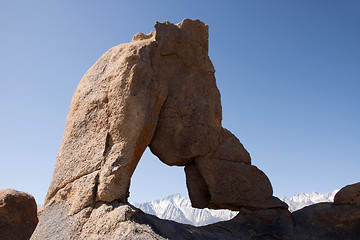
(178, 208)
(305, 199)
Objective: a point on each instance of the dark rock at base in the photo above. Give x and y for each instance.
(275, 223)
(18, 215)
(105, 221)
(323, 221)
(327, 221)
(349, 194)
(122, 221)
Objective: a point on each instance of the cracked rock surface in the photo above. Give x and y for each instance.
(160, 91)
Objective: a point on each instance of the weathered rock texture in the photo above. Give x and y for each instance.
(18, 215)
(122, 221)
(349, 194)
(159, 90)
(323, 221)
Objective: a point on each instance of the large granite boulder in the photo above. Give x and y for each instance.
(159, 90)
(18, 215)
(349, 194)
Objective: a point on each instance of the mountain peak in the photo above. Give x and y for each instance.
(301, 200)
(179, 209)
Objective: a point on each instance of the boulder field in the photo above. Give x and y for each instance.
(159, 91)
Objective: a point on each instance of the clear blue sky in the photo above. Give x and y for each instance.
(288, 73)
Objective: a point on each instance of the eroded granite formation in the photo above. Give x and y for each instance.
(159, 90)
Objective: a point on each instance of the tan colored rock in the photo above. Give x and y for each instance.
(349, 194)
(18, 215)
(160, 91)
(79, 193)
(224, 180)
(237, 185)
(111, 120)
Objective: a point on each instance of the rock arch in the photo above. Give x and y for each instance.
(160, 91)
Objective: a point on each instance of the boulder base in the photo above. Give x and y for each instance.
(122, 221)
(327, 221)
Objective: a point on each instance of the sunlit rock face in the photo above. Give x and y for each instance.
(159, 90)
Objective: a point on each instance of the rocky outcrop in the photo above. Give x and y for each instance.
(349, 194)
(159, 90)
(18, 215)
(327, 221)
(102, 221)
(322, 221)
(122, 221)
(331, 221)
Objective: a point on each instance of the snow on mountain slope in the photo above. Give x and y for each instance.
(305, 199)
(178, 208)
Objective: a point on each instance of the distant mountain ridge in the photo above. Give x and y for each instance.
(301, 200)
(179, 209)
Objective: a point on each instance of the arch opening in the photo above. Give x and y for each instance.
(160, 190)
